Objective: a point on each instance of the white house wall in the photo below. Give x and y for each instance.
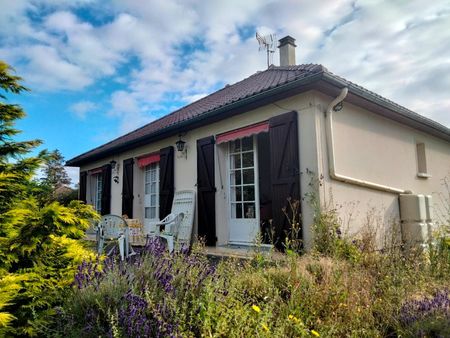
(373, 148)
(186, 168)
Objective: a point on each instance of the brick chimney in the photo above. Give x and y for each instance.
(287, 51)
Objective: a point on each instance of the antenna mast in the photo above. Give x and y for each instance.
(267, 43)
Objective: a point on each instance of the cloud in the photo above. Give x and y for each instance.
(81, 108)
(163, 54)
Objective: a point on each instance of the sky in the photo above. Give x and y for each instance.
(98, 69)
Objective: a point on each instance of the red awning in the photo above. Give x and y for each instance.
(262, 127)
(146, 160)
(95, 171)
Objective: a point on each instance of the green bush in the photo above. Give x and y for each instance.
(39, 247)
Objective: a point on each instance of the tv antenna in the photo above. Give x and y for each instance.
(267, 43)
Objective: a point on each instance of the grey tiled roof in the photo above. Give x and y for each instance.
(258, 83)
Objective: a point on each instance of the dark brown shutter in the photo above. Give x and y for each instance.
(127, 188)
(166, 181)
(106, 189)
(82, 186)
(284, 169)
(206, 190)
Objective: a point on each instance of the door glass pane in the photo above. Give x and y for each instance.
(236, 210)
(249, 193)
(235, 177)
(247, 160)
(249, 210)
(247, 143)
(147, 188)
(248, 176)
(235, 161)
(239, 210)
(235, 146)
(147, 212)
(153, 200)
(153, 188)
(238, 194)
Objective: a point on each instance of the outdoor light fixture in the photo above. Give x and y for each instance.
(113, 164)
(181, 146)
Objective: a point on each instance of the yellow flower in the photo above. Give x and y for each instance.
(293, 318)
(256, 308)
(264, 326)
(315, 333)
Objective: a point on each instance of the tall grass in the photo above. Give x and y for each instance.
(343, 288)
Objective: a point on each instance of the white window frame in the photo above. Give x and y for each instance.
(154, 167)
(244, 221)
(98, 179)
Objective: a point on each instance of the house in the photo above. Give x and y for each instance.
(248, 146)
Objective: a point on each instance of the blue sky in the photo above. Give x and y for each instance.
(98, 69)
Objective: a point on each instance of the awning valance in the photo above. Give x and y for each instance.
(95, 171)
(262, 127)
(148, 159)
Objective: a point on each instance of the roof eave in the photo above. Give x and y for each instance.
(234, 108)
(389, 109)
(322, 81)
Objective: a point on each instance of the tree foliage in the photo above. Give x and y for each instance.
(39, 247)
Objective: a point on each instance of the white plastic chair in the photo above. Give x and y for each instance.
(178, 224)
(112, 228)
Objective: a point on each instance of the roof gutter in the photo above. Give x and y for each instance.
(181, 126)
(419, 122)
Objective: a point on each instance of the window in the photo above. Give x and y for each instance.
(422, 170)
(242, 178)
(151, 182)
(98, 192)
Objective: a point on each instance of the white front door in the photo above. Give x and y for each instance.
(244, 200)
(151, 194)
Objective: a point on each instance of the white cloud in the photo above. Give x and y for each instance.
(182, 50)
(81, 108)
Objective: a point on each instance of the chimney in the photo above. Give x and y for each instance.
(287, 51)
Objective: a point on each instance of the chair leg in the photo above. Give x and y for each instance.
(100, 245)
(170, 244)
(122, 247)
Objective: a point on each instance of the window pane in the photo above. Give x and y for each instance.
(235, 146)
(147, 212)
(235, 161)
(152, 212)
(249, 210)
(236, 194)
(248, 176)
(247, 160)
(147, 188)
(236, 210)
(147, 176)
(153, 188)
(153, 200)
(235, 177)
(249, 193)
(247, 143)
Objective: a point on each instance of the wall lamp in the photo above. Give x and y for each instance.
(115, 167)
(181, 146)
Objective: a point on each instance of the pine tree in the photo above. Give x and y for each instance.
(39, 250)
(55, 174)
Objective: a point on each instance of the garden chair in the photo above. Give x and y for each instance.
(178, 224)
(114, 228)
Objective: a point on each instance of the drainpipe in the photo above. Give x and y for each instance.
(333, 106)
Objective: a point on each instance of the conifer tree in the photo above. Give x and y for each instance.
(39, 250)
